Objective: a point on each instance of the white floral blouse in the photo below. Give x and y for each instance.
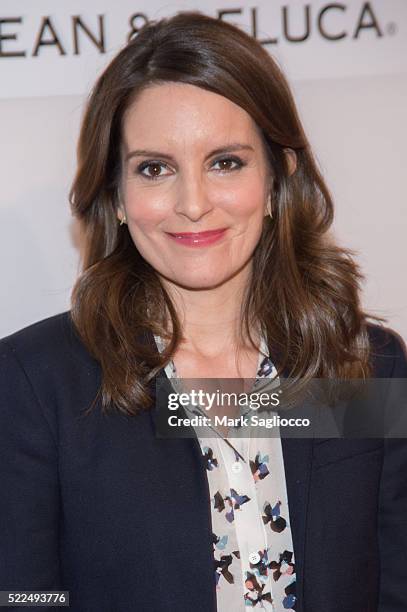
(254, 563)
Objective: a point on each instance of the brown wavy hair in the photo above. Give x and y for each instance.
(304, 289)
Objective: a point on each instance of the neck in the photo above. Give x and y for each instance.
(210, 318)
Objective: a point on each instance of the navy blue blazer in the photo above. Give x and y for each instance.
(102, 507)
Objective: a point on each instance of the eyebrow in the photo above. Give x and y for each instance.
(235, 146)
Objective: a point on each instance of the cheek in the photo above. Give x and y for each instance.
(247, 202)
(144, 210)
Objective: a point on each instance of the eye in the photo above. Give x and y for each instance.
(225, 163)
(155, 166)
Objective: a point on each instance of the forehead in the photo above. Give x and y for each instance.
(181, 115)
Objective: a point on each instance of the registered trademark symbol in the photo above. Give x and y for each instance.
(391, 28)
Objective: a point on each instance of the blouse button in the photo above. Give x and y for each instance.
(254, 558)
(237, 467)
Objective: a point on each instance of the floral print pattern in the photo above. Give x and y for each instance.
(254, 565)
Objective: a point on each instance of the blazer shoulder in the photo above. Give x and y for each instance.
(47, 361)
(46, 328)
(51, 341)
(388, 353)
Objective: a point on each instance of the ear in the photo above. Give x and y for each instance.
(291, 158)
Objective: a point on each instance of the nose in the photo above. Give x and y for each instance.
(193, 200)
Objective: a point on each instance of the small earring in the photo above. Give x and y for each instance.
(123, 220)
(269, 207)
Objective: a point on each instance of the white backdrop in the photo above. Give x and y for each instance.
(349, 75)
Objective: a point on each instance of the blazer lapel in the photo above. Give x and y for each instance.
(189, 556)
(297, 455)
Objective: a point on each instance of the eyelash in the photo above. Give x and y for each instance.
(145, 165)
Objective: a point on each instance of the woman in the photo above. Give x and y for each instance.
(206, 256)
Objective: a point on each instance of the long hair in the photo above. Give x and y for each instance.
(304, 289)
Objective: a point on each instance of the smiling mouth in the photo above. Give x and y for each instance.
(197, 238)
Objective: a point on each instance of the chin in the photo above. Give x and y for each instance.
(197, 281)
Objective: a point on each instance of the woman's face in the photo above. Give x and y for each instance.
(193, 162)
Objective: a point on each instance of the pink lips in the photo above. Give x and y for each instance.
(198, 239)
